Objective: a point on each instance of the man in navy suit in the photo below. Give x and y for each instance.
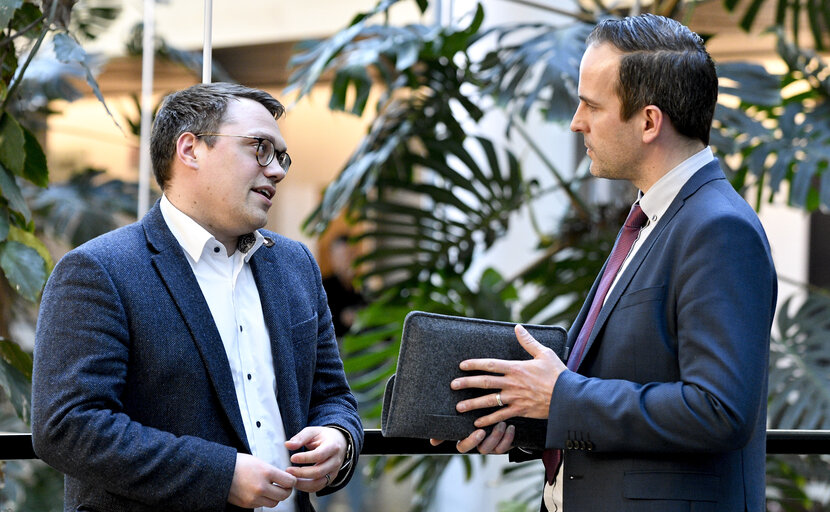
(664, 407)
(188, 362)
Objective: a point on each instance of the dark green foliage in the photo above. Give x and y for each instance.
(24, 260)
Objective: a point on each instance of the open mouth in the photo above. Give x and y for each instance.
(267, 192)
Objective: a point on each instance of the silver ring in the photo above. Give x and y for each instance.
(498, 399)
(328, 479)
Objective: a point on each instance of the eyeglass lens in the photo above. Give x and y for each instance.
(265, 153)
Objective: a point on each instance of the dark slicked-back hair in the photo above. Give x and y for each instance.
(664, 64)
(197, 109)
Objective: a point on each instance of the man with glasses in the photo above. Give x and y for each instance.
(188, 361)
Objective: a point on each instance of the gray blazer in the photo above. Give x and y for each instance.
(667, 410)
(132, 394)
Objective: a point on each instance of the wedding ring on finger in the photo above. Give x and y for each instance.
(328, 479)
(498, 399)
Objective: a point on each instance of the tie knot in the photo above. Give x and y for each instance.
(637, 218)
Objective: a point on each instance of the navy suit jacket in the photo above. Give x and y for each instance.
(133, 397)
(667, 410)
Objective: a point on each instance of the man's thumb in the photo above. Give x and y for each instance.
(527, 341)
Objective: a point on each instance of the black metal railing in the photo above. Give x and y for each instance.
(19, 446)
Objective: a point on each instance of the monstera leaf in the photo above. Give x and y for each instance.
(538, 69)
(789, 14)
(800, 366)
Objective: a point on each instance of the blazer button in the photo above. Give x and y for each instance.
(570, 445)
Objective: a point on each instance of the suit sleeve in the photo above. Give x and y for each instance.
(80, 367)
(332, 402)
(718, 305)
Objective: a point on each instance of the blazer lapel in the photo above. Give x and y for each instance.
(171, 264)
(276, 309)
(705, 174)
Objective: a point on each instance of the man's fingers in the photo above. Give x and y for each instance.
(482, 402)
(485, 365)
(257, 484)
(283, 480)
(315, 456)
(312, 485)
(492, 441)
(302, 438)
(278, 493)
(506, 442)
(479, 382)
(471, 441)
(501, 414)
(528, 342)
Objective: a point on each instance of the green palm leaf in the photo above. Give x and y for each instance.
(448, 213)
(541, 70)
(800, 366)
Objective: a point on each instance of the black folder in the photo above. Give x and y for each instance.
(418, 401)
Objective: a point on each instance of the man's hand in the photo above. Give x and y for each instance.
(499, 441)
(258, 484)
(326, 454)
(524, 388)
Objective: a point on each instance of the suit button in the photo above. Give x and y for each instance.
(570, 445)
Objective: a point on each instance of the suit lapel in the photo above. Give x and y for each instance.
(276, 309)
(171, 264)
(707, 173)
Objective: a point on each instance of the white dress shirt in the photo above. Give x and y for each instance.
(229, 288)
(654, 204)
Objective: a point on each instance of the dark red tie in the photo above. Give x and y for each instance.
(629, 233)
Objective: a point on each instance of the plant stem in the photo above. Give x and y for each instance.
(22, 31)
(576, 201)
(29, 57)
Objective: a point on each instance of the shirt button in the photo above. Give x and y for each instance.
(258, 424)
(249, 376)
(215, 249)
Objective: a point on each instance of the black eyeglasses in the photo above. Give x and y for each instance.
(265, 150)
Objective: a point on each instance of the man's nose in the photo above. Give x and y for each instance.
(274, 171)
(576, 122)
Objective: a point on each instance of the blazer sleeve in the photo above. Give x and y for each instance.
(332, 402)
(80, 366)
(720, 299)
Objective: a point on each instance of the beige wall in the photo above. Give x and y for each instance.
(181, 22)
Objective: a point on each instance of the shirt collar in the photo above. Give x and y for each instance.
(663, 192)
(190, 235)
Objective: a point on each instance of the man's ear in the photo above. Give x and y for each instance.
(653, 119)
(186, 150)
